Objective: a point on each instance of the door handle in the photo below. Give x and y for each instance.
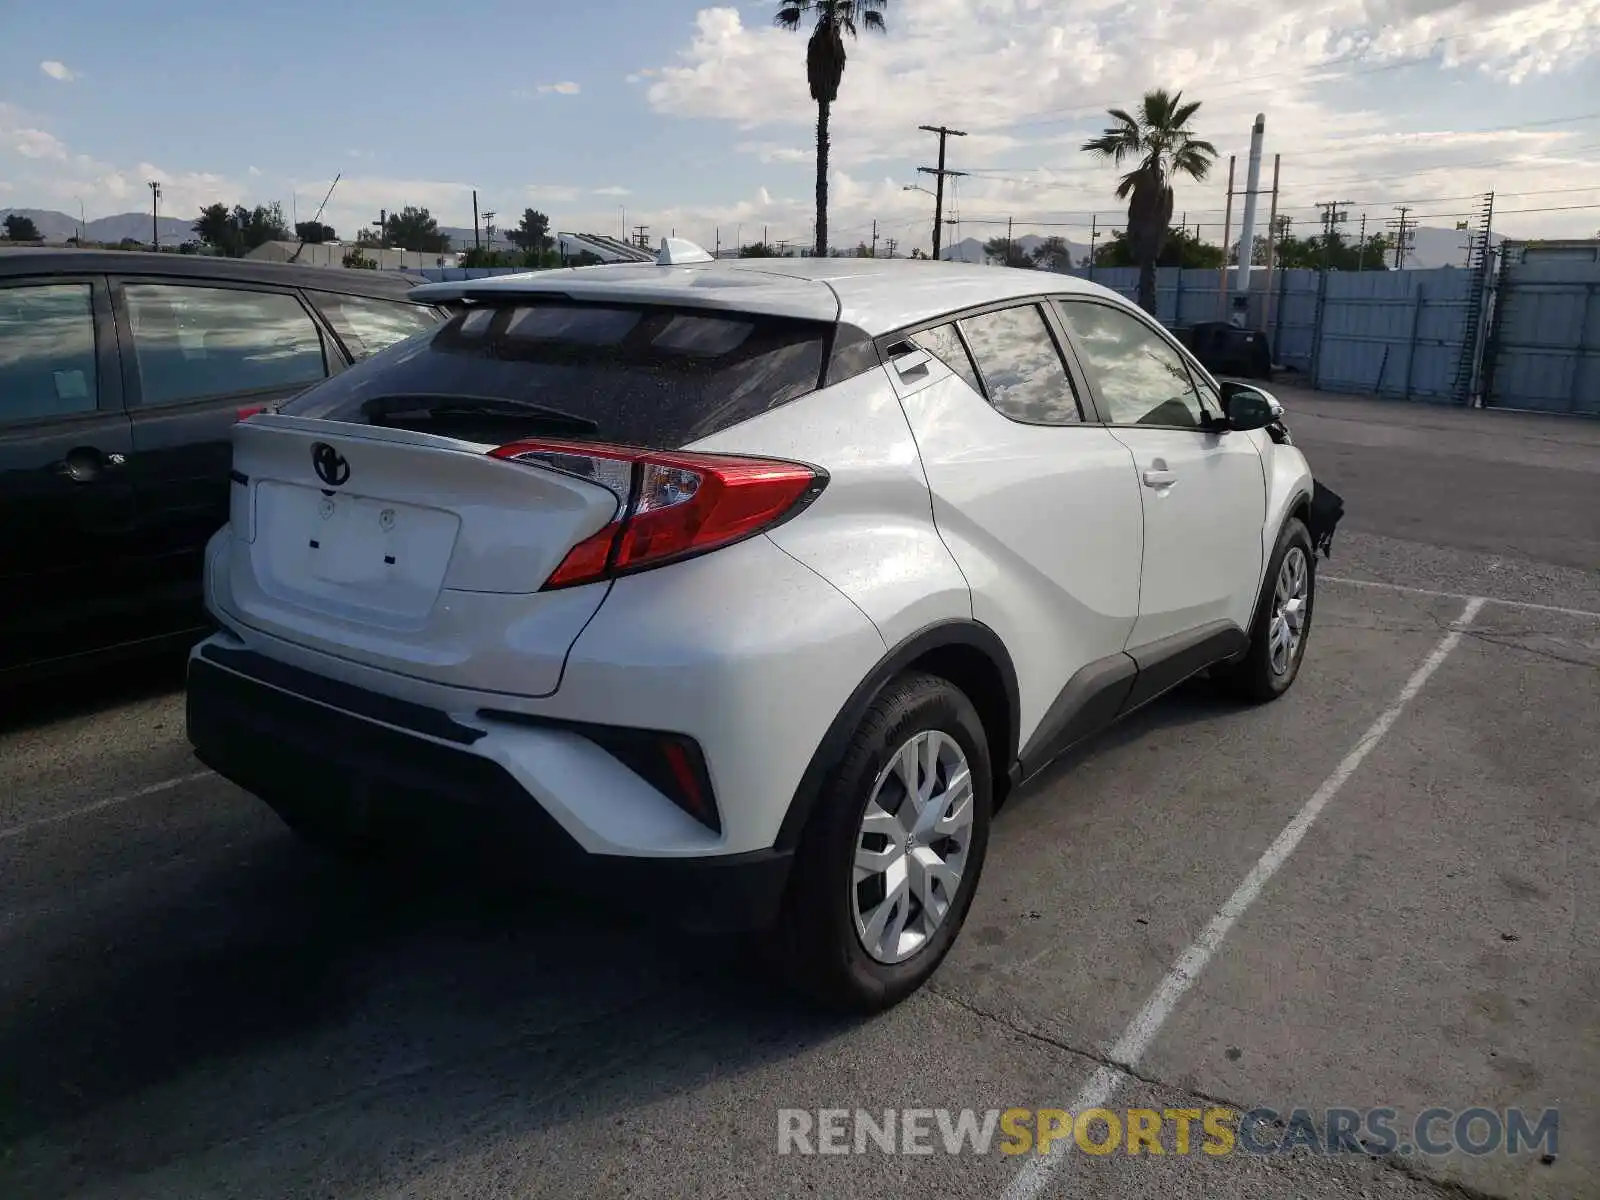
(1159, 479)
(85, 464)
(908, 364)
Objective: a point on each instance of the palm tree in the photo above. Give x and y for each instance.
(1160, 139)
(825, 68)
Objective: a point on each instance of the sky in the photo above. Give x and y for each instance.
(695, 118)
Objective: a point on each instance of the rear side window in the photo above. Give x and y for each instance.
(366, 326)
(46, 351)
(1019, 362)
(944, 342)
(192, 342)
(641, 375)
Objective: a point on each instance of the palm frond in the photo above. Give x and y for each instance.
(1181, 116)
(789, 16)
(874, 21)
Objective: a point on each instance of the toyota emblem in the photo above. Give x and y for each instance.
(330, 465)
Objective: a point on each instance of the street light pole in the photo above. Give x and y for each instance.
(155, 214)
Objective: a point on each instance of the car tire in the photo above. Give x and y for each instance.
(1284, 611)
(818, 944)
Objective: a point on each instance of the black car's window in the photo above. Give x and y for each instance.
(46, 351)
(1142, 379)
(366, 326)
(1021, 366)
(191, 342)
(642, 375)
(944, 342)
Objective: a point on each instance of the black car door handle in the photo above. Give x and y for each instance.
(85, 464)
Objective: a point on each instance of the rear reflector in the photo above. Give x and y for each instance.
(672, 504)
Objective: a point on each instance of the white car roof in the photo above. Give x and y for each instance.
(875, 295)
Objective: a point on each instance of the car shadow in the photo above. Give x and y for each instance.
(90, 688)
(222, 999)
(190, 1008)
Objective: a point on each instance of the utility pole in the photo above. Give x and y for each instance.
(889, 245)
(488, 228)
(1334, 212)
(1008, 243)
(477, 243)
(1405, 230)
(1361, 246)
(641, 236)
(939, 173)
(874, 237)
(383, 227)
(1094, 236)
(155, 214)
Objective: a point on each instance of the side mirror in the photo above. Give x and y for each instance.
(1249, 407)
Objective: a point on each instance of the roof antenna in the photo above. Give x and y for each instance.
(295, 257)
(677, 251)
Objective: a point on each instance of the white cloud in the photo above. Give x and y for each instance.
(561, 89)
(58, 71)
(254, 172)
(549, 193)
(612, 191)
(1029, 80)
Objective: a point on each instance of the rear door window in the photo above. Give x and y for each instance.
(191, 342)
(637, 374)
(47, 351)
(366, 326)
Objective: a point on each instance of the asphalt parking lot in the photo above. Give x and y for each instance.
(1379, 892)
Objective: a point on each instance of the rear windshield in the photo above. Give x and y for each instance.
(640, 375)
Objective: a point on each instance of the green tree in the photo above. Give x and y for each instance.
(533, 233)
(357, 261)
(1334, 253)
(1006, 252)
(758, 250)
(22, 229)
(415, 228)
(1179, 248)
(314, 233)
(234, 233)
(1052, 255)
(1161, 143)
(833, 20)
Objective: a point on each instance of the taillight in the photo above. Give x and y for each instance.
(673, 504)
(249, 411)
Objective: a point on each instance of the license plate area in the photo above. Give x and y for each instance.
(352, 551)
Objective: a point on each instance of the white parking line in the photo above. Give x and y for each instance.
(166, 785)
(1141, 1031)
(1416, 591)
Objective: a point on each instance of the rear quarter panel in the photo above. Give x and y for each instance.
(871, 533)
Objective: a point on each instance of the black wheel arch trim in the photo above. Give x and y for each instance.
(965, 633)
(1264, 595)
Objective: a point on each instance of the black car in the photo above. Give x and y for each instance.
(121, 377)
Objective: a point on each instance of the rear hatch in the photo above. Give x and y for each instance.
(409, 551)
(372, 518)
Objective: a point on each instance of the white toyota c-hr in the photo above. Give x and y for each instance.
(743, 589)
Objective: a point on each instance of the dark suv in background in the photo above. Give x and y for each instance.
(121, 377)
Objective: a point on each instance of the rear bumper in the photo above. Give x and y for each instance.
(405, 773)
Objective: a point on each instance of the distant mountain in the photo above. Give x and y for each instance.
(59, 226)
(970, 250)
(1441, 248)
